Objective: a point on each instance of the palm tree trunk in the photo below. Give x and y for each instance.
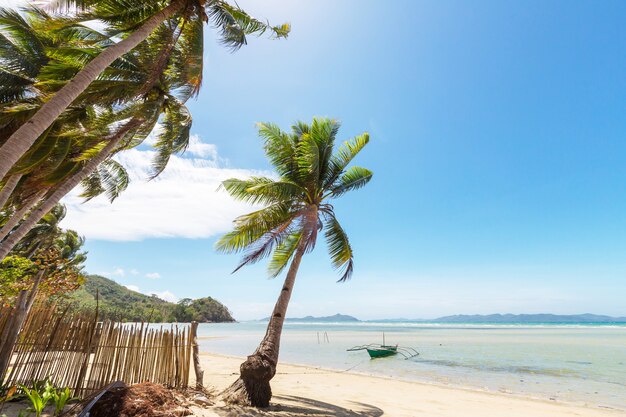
(64, 188)
(19, 214)
(8, 188)
(253, 386)
(23, 138)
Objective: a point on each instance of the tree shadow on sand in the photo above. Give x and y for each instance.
(290, 406)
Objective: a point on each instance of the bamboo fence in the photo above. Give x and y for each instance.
(74, 350)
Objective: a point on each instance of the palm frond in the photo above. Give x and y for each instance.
(234, 24)
(174, 136)
(353, 179)
(261, 190)
(324, 131)
(280, 148)
(339, 247)
(346, 153)
(110, 178)
(265, 244)
(251, 227)
(283, 253)
(308, 162)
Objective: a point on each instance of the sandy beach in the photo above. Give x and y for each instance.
(306, 391)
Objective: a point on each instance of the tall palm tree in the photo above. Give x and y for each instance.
(133, 21)
(296, 208)
(162, 75)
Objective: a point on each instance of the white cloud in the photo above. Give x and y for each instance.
(183, 201)
(117, 272)
(153, 275)
(163, 295)
(134, 272)
(200, 149)
(12, 4)
(167, 296)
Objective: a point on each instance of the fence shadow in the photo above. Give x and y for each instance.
(291, 406)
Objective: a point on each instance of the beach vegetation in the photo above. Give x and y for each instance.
(296, 209)
(128, 24)
(39, 396)
(72, 96)
(118, 303)
(60, 398)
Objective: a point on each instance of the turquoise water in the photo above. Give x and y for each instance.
(584, 364)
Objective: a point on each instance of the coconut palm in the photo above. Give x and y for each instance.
(29, 46)
(297, 207)
(132, 21)
(159, 74)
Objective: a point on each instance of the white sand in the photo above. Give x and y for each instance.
(305, 391)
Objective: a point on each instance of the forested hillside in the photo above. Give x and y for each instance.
(117, 302)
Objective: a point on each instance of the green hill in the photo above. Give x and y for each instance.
(117, 302)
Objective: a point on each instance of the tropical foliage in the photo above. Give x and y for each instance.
(116, 302)
(296, 209)
(135, 73)
(48, 261)
(202, 310)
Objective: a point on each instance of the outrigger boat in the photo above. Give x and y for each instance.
(381, 351)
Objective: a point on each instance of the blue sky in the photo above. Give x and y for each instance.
(497, 142)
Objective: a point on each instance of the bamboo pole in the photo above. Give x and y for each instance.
(196, 356)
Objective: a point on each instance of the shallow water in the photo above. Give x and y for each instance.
(573, 363)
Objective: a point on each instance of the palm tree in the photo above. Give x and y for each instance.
(133, 21)
(158, 74)
(296, 208)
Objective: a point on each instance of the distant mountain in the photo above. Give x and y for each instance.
(117, 302)
(465, 318)
(327, 319)
(529, 318)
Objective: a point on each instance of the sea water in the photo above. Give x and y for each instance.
(584, 364)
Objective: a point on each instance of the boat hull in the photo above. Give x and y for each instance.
(381, 353)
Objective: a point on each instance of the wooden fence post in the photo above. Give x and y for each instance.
(196, 356)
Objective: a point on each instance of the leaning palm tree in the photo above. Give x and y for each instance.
(159, 75)
(296, 208)
(131, 21)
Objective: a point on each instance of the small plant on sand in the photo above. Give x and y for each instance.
(296, 208)
(39, 396)
(60, 397)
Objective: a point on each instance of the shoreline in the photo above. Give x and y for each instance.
(395, 396)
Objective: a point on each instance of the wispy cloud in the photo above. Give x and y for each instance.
(117, 272)
(200, 149)
(163, 295)
(183, 201)
(166, 295)
(153, 275)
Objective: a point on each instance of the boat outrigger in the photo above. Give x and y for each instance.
(381, 351)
